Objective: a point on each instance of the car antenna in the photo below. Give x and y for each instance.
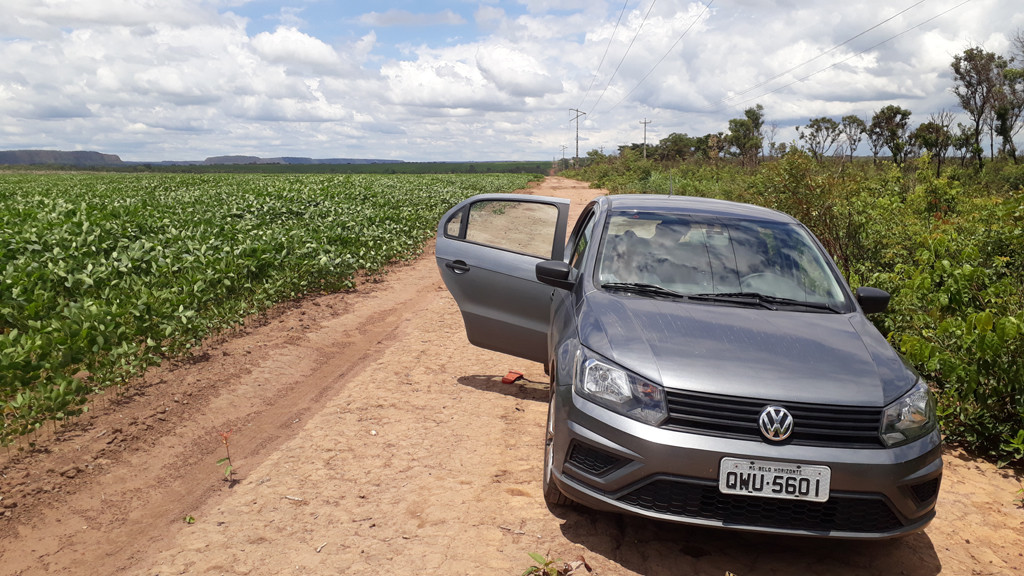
(670, 193)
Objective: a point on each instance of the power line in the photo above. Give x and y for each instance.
(619, 65)
(848, 58)
(605, 55)
(669, 51)
(840, 45)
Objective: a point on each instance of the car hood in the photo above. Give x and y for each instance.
(774, 355)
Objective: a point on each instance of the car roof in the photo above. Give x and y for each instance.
(695, 205)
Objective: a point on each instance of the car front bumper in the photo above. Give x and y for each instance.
(610, 462)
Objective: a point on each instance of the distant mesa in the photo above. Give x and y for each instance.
(84, 158)
(76, 158)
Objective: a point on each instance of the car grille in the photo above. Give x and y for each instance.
(692, 498)
(813, 424)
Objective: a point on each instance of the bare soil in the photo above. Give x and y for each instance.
(369, 437)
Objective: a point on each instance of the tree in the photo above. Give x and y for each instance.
(714, 145)
(676, 147)
(965, 141)
(634, 147)
(891, 124)
(821, 134)
(853, 129)
(1008, 102)
(1010, 110)
(935, 137)
(746, 134)
(770, 135)
(977, 77)
(876, 137)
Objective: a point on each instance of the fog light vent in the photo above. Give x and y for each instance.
(592, 460)
(925, 491)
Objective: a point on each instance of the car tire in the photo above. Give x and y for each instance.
(553, 496)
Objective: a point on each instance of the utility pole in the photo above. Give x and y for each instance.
(579, 113)
(645, 122)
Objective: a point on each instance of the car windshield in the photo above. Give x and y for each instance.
(697, 255)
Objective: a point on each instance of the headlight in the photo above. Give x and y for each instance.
(620, 391)
(910, 417)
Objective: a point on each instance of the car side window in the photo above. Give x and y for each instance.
(582, 243)
(453, 228)
(523, 227)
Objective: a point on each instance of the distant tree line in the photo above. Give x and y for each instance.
(988, 86)
(541, 167)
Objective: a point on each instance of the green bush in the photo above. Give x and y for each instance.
(961, 324)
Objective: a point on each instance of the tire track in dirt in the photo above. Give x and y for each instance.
(130, 471)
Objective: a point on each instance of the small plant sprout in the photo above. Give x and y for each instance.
(544, 567)
(229, 469)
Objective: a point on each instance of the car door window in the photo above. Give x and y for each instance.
(582, 243)
(453, 229)
(522, 227)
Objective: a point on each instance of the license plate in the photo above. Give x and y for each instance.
(774, 479)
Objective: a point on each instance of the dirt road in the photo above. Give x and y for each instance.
(369, 437)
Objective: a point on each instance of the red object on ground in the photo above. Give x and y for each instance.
(511, 377)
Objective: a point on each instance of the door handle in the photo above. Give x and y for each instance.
(458, 266)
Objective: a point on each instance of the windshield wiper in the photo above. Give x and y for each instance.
(744, 298)
(641, 288)
(749, 298)
(767, 300)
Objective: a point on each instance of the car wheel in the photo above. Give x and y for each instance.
(552, 495)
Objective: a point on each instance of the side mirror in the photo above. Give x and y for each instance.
(555, 273)
(872, 300)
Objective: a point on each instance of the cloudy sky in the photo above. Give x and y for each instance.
(462, 79)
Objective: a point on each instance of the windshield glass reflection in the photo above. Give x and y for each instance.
(691, 255)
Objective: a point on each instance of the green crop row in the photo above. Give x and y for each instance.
(102, 275)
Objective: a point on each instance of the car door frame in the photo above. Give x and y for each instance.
(503, 305)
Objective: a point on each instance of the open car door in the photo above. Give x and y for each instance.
(487, 250)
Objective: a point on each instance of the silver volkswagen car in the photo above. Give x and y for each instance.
(709, 364)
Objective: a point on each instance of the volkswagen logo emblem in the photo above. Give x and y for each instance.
(776, 423)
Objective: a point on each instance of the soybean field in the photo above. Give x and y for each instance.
(102, 275)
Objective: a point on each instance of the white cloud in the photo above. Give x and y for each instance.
(489, 17)
(291, 47)
(41, 14)
(153, 79)
(290, 16)
(406, 18)
(515, 72)
(545, 6)
(433, 82)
